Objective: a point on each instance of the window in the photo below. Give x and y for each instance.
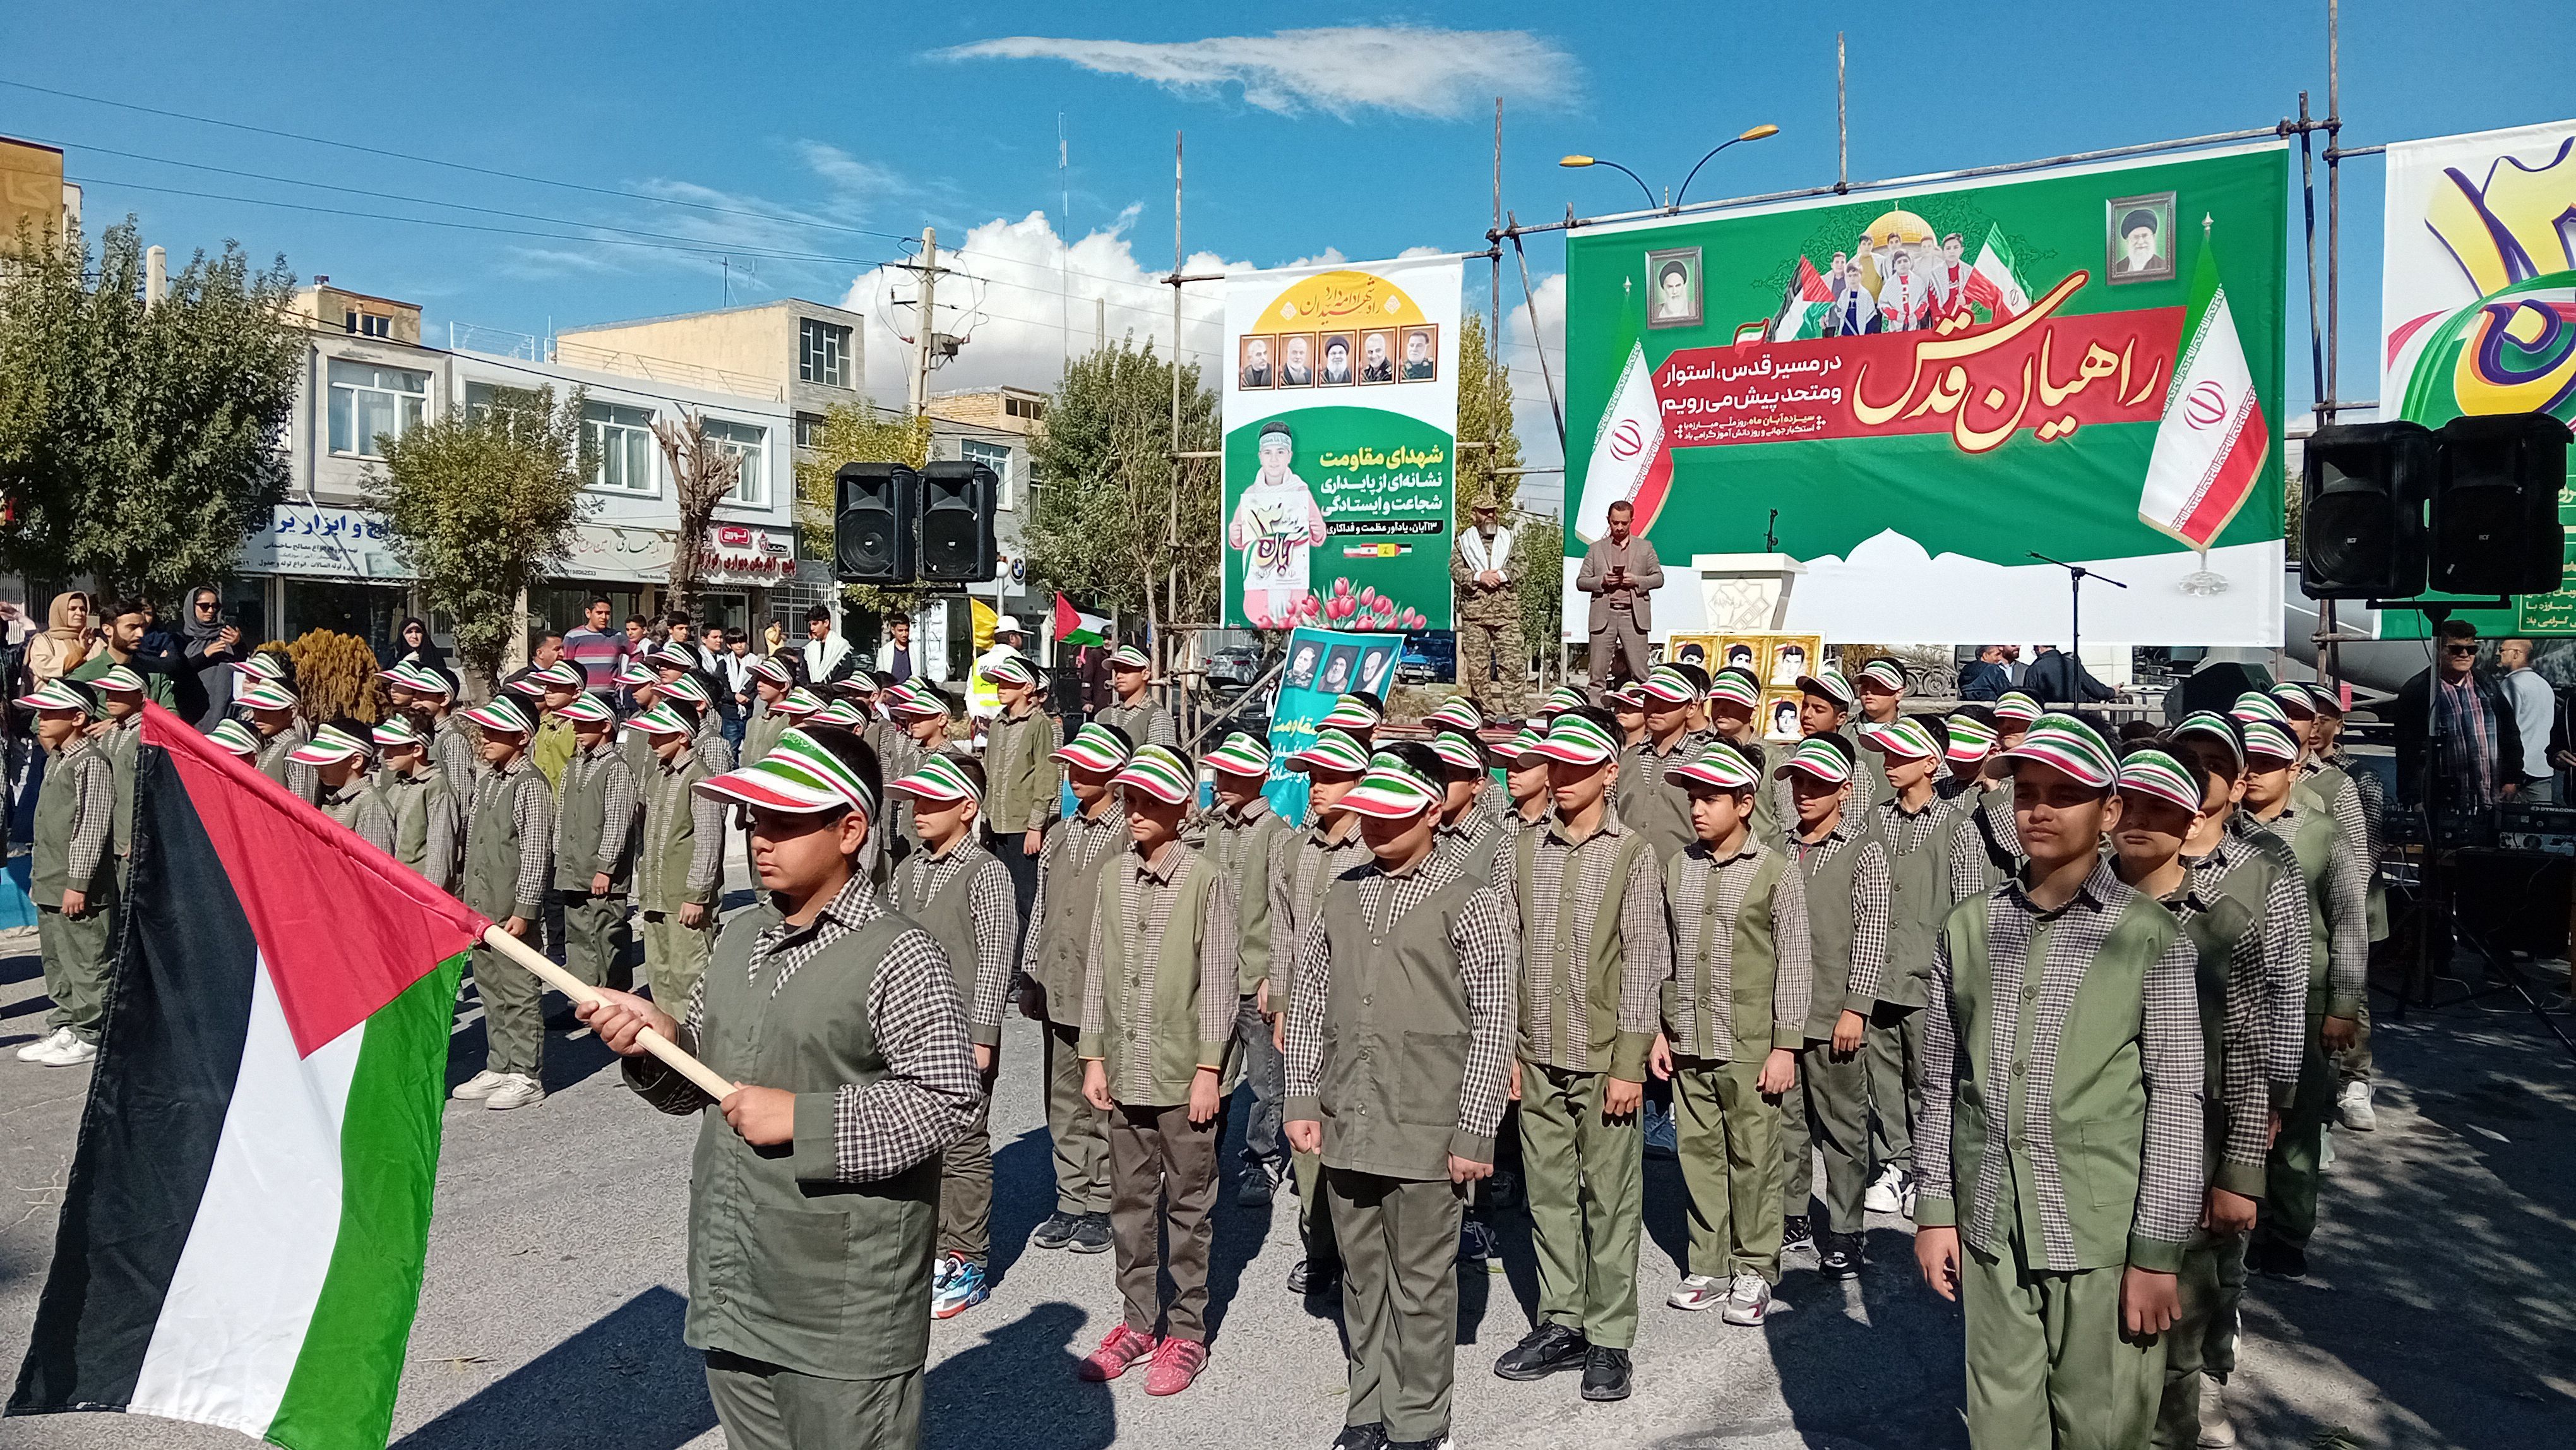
(482, 398)
(823, 353)
(368, 402)
(1030, 408)
(750, 443)
(995, 457)
(623, 438)
(809, 426)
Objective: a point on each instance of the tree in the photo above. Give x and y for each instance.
(855, 435)
(1484, 415)
(1104, 525)
(1538, 551)
(480, 503)
(702, 474)
(141, 444)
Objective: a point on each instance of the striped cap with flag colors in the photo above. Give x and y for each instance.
(330, 743)
(1240, 754)
(1828, 682)
(264, 695)
(1721, 765)
(56, 694)
(1158, 772)
(121, 680)
(847, 714)
(246, 1249)
(562, 675)
(2294, 697)
(528, 684)
(1562, 699)
(1817, 757)
(1526, 743)
(906, 699)
(2013, 707)
(236, 737)
(2154, 773)
(1351, 712)
(1577, 739)
(661, 720)
(940, 779)
(800, 776)
(587, 709)
(2069, 744)
(686, 688)
(633, 675)
(1010, 670)
(1970, 738)
(799, 701)
(1909, 739)
(2256, 705)
(673, 655)
(1331, 750)
(502, 714)
(1734, 687)
(1630, 696)
(1094, 748)
(1458, 710)
(2328, 699)
(2221, 728)
(395, 732)
(1669, 686)
(1887, 674)
(267, 664)
(862, 684)
(1459, 751)
(1128, 657)
(420, 679)
(1391, 790)
(2264, 738)
(773, 669)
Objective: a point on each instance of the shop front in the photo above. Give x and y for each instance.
(321, 568)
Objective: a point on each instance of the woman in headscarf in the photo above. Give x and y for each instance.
(66, 642)
(416, 647)
(214, 645)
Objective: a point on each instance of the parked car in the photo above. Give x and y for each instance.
(1430, 654)
(1233, 669)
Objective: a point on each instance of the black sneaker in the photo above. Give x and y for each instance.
(1443, 1443)
(1057, 1231)
(1371, 1436)
(1313, 1276)
(1839, 1256)
(1090, 1234)
(2280, 1259)
(1258, 1183)
(1606, 1374)
(1795, 1235)
(1544, 1351)
(1503, 1189)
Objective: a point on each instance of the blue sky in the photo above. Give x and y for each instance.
(797, 141)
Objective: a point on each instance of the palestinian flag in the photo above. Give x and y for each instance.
(2213, 440)
(1803, 309)
(1072, 626)
(242, 1239)
(1631, 457)
(1994, 279)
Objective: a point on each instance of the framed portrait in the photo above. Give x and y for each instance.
(1295, 354)
(1790, 655)
(2138, 238)
(1420, 360)
(1692, 649)
(1301, 670)
(1254, 366)
(1341, 670)
(1778, 716)
(1673, 287)
(1377, 355)
(1375, 665)
(1336, 359)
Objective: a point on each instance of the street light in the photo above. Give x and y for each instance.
(1615, 166)
(1756, 134)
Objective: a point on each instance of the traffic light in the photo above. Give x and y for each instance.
(2495, 505)
(2361, 532)
(957, 501)
(872, 521)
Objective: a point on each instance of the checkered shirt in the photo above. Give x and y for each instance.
(1699, 1003)
(1550, 983)
(1297, 880)
(93, 804)
(1077, 840)
(1969, 861)
(2266, 1017)
(1873, 897)
(532, 815)
(1152, 891)
(617, 799)
(1469, 833)
(363, 810)
(996, 914)
(2346, 904)
(453, 751)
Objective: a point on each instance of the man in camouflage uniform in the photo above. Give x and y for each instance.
(1488, 613)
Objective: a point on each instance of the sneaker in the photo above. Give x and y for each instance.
(1371, 1436)
(1313, 1276)
(1177, 1362)
(1443, 1443)
(1838, 1256)
(1795, 1235)
(2280, 1260)
(1544, 1351)
(2352, 1105)
(480, 1086)
(1503, 1189)
(68, 1052)
(1886, 1192)
(941, 1266)
(1123, 1347)
(1057, 1231)
(1091, 1236)
(35, 1051)
(1258, 1185)
(517, 1090)
(965, 1288)
(2217, 1431)
(1749, 1302)
(1697, 1291)
(1606, 1374)
(1475, 1243)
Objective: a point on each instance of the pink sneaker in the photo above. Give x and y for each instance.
(1176, 1363)
(1123, 1347)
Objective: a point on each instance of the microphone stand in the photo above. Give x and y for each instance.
(2076, 574)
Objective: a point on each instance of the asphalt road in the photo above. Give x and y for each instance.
(2437, 1316)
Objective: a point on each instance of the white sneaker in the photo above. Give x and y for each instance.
(480, 1086)
(2216, 1430)
(517, 1090)
(1698, 1291)
(2353, 1106)
(1885, 1193)
(35, 1051)
(1749, 1302)
(69, 1052)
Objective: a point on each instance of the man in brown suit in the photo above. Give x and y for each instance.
(1620, 572)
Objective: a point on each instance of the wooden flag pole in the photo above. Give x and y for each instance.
(708, 1080)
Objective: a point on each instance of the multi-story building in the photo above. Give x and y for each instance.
(33, 194)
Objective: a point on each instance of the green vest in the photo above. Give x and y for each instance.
(2309, 839)
(2098, 1110)
(1242, 853)
(1165, 1035)
(1397, 1032)
(1991, 808)
(1602, 957)
(492, 841)
(1019, 783)
(1830, 925)
(787, 1265)
(57, 815)
(670, 839)
(1918, 899)
(948, 914)
(411, 798)
(1310, 873)
(581, 817)
(1063, 934)
(1737, 1027)
(347, 812)
(1135, 721)
(122, 746)
(760, 734)
(1650, 805)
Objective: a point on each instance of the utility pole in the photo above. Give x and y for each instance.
(1842, 120)
(928, 271)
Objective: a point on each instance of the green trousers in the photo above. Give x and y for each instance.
(514, 1024)
(1162, 1172)
(1314, 1210)
(1081, 1138)
(2353, 1063)
(1827, 1108)
(1399, 1298)
(966, 1189)
(674, 956)
(2203, 1338)
(597, 935)
(1585, 1177)
(1728, 1139)
(75, 951)
(2289, 1211)
(2048, 1368)
(1892, 1046)
(764, 1407)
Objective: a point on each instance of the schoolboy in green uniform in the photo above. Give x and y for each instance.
(343, 758)
(1245, 839)
(771, 681)
(1158, 1010)
(1914, 825)
(270, 707)
(1133, 711)
(920, 730)
(1647, 803)
(1331, 846)
(1627, 707)
(72, 873)
(1967, 738)
(2325, 752)
(1464, 827)
(428, 827)
(119, 736)
(1020, 781)
(552, 688)
(679, 857)
(1734, 1021)
(814, 1202)
(2059, 1155)
(596, 829)
(451, 747)
(1984, 851)
(1881, 687)
(1053, 977)
(962, 897)
(1460, 714)
(1733, 696)
(1399, 1044)
(509, 856)
(1587, 903)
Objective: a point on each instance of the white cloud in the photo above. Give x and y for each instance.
(1404, 69)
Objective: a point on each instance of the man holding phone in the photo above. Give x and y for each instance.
(1621, 573)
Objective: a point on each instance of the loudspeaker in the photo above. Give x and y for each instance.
(2215, 686)
(2495, 505)
(957, 501)
(872, 523)
(2361, 530)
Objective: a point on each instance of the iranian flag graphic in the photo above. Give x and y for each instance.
(1994, 279)
(1631, 457)
(242, 1238)
(2213, 440)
